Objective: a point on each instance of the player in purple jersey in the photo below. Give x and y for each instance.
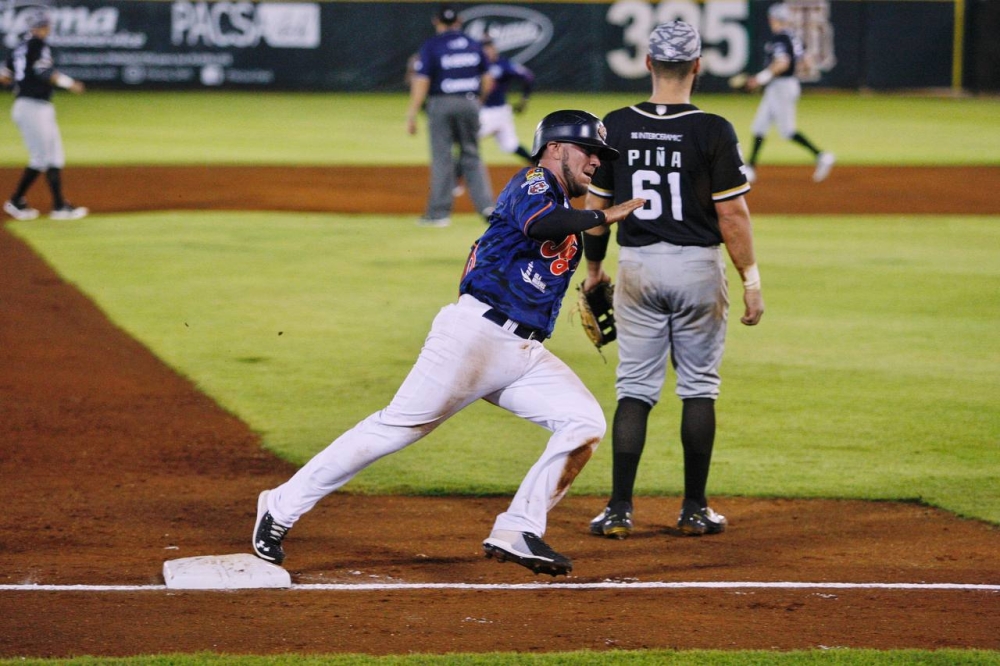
(488, 345)
(496, 118)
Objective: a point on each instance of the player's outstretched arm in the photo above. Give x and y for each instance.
(737, 234)
(619, 212)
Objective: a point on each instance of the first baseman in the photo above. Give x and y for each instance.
(489, 345)
(671, 302)
(781, 93)
(31, 69)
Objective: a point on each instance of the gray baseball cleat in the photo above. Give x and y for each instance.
(68, 212)
(267, 534)
(824, 163)
(19, 210)
(528, 550)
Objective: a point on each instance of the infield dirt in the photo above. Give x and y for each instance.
(111, 464)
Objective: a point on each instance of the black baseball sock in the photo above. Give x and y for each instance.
(802, 141)
(758, 141)
(697, 438)
(628, 437)
(27, 180)
(54, 177)
(523, 153)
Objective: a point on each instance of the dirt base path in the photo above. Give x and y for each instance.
(111, 463)
(930, 190)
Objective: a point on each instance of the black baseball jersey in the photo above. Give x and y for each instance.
(784, 43)
(31, 65)
(682, 161)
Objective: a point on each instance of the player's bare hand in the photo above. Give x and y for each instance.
(619, 212)
(752, 84)
(592, 281)
(411, 125)
(77, 87)
(753, 300)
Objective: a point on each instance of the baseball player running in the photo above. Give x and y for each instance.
(671, 302)
(31, 69)
(781, 93)
(488, 345)
(496, 118)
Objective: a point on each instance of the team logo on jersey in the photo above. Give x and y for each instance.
(538, 173)
(562, 253)
(538, 187)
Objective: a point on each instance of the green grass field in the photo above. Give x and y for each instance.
(873, 375)
(325, 128)
(854, 385)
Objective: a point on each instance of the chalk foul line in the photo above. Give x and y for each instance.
(554, 586)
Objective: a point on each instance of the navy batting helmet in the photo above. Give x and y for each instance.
(579, 127)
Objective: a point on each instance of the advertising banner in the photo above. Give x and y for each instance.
(594, 46)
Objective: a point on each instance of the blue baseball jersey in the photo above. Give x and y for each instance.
(505, 72)
(523, 278)
(454, 62)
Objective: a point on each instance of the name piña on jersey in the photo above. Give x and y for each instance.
(681, 160)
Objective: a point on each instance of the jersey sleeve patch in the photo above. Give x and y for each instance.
(538, 187)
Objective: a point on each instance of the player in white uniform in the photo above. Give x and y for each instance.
(496, 117)
(31, 69)
(781, 94)
(488, 345)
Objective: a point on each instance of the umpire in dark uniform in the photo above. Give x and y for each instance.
(451, 78)
(671, 300)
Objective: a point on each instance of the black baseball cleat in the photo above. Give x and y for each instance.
(614, 523)
(528, 550)
(696, 520)
(267, 534)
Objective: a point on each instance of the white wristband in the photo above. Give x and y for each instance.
(751, 278)
(64, 81)
(764, 77)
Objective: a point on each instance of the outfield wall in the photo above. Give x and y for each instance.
(571, 46)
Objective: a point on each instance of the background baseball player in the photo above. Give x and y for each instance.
(450, 78)
(489, 345)
(496, 117)
(671, 302)
(30, 67)
(781, 93)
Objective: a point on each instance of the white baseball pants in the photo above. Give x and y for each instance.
(466, 357)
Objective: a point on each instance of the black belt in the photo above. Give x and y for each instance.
(520, 330)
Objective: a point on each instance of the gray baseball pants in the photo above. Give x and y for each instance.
(36, 120)
(453, 120)
(671, 302)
